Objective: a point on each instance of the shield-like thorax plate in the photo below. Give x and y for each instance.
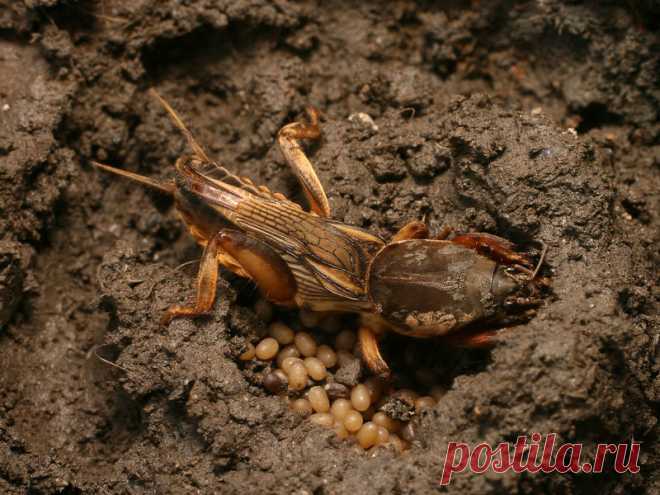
(430, 287)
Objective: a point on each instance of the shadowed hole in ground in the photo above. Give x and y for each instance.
(204, 46)
(596, 115)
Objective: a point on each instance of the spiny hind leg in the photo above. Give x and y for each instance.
(289, 141)
(244, 256)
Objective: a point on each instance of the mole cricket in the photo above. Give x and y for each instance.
(413, 284)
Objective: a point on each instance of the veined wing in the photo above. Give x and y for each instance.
(328, 259)
(324, 254)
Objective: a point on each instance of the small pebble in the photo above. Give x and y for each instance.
(318, 399)
(264, 310)
(337, 391)
(368, 435)
(345, 341)
(360, 397)
(398, 409)
(382, 402)
(248, 354)
(353, 421)
(288, 351)
(349, 374)
(280, 332)
(340, 408)
(322, 419)
(363, 120)
(407, 395)
(297, 375)
(327, 355)
(315, 368)
(275, 382)
(267, 349)
(305, 344)
(301, 407)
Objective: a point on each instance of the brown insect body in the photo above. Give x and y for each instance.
(327, 260)
(414, 285)
(427, 288)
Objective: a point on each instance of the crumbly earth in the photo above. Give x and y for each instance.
(533, 121)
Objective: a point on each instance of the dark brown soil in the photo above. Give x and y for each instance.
(531, 120)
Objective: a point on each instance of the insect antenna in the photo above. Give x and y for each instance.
(164, 187)
(196, 147)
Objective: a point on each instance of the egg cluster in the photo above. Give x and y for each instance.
(305, 368)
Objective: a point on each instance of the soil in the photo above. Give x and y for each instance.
(531, 120)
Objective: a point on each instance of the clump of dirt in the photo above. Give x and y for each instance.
(537, 121)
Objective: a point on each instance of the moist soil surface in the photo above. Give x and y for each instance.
(532, 121)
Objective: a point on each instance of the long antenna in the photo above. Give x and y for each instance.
(197, 149)
(164, 187)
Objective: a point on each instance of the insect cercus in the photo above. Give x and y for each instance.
(412, 284)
